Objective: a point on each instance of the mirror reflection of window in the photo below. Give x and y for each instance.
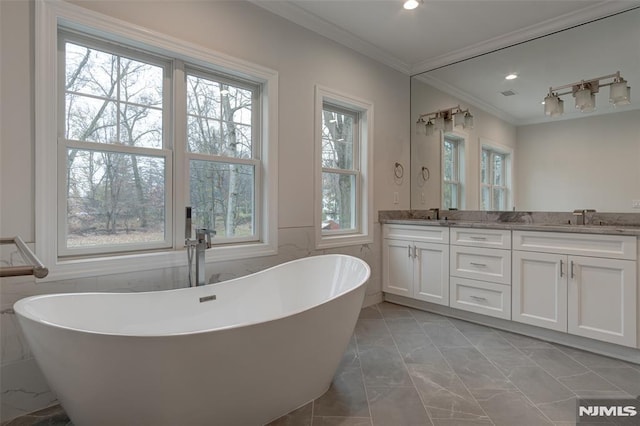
(495, 178)
(452, 171)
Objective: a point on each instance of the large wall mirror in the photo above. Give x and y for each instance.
(515, 156)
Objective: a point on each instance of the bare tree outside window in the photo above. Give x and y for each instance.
(223, 165)
(339, 169)
(113, 130)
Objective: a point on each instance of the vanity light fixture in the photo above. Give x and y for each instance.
(411, 4)
(445, 120)
(584, 93)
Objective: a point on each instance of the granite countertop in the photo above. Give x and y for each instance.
(520, 226)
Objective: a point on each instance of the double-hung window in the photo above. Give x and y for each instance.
(223, 151)
(146, 126)
(495, 178)
(114, 153)
(452, 171)
(343, 169)
(340, 170)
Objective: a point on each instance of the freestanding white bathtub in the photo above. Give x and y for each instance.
(267, 344)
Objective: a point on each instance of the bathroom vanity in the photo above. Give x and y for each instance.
(571, 284)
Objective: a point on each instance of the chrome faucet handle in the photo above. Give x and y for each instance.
(436, 211)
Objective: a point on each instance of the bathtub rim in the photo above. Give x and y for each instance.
(21, 312)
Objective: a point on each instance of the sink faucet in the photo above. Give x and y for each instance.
(581, 215)
(201, 244)
(436, 213)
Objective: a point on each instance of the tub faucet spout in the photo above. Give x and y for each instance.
(201, 244)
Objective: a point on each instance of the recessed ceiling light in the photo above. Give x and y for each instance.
(411, 4)
(511, 76)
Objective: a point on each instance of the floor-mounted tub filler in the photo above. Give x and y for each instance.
(240, 352)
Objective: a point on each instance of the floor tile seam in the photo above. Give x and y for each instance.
(415, 388)
(364, 383)
(533, 404)
(609, 381)
(457, 376)
(582, 365)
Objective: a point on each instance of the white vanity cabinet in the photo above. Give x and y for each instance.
(583, 284)
(480, 271)
(416, 262)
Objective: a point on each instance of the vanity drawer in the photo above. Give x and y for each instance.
(473, 237)
(481, 264)
(596, 245)
(427, 234)
(480, 297)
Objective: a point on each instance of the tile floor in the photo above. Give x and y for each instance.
(406, 367)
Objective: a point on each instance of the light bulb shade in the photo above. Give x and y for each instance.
(458, 120)
(438, 122)
(430, 128)
(585, 100)
(448, 125)
(468, 120)
(553, 105)
(420, 124)
(620, 93)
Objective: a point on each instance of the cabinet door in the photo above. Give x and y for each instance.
(602, 299)
(539, 289)
(397, 267)
(431, 273)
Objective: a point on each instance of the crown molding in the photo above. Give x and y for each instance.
(466, 98)
(312, 22)
(558, 23)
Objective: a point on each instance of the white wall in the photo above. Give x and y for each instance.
(245, 31)
(591, 162)
(426, 149)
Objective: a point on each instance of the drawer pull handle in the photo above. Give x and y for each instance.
(483, 265)
(478, 298)
(561, 265)
(409, 247)
(478, 238)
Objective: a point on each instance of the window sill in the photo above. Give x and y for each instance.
(335, 241)
(82, 268)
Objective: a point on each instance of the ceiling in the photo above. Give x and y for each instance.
(440, 33)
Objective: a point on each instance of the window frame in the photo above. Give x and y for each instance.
(165, 152)
(496, 148)
(362, 233)
(256, 150)
(460, 140)
(52, 15)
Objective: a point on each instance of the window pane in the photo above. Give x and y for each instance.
(222, 197)
(450, 196)
(338, 201)
(337, 140)
(219, 117)
(112, 99)
(91, 119)
(498, 178)
(90, 71)
(449, 161)
(114, 198)
(484, 167)
(485, 200)
(140, 126)
(499, 201)
(140, 83)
